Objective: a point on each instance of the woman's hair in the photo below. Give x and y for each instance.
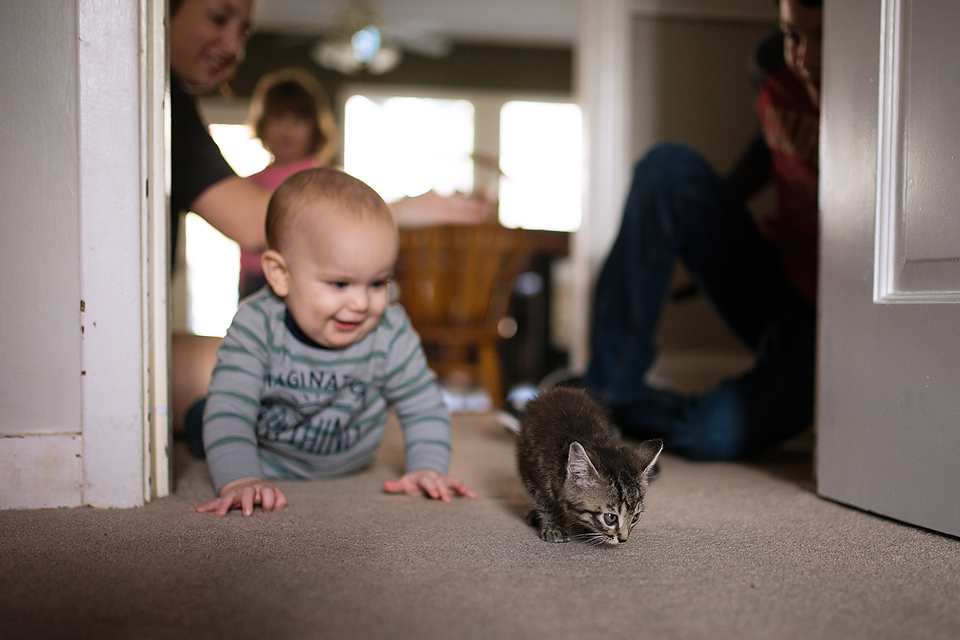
(296, 92)
(175, 6)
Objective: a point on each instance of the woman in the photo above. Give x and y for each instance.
(206, 40)
(291, 115)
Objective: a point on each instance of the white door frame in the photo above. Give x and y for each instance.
(123, 256)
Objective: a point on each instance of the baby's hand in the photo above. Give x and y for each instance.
(429, 482)
(245, 493)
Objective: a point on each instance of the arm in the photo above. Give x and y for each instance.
(411, 387)
(431, 208)
(230, 417)
(752, 171)
(237, 208)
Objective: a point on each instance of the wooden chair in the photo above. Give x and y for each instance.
(455, 284)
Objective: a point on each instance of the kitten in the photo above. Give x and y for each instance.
(579, 477)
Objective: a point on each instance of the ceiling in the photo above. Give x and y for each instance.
(544, 22)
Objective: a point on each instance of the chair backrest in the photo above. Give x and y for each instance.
(458, 277)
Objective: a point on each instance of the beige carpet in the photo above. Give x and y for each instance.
(723, 551)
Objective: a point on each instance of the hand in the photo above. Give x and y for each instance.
(429, 482)
(245, 493)
(431, 209)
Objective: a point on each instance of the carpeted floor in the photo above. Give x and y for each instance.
(723, 551)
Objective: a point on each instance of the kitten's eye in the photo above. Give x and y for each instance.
(609, 519)
(636, 518)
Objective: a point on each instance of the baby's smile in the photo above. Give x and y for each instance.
(346, 326)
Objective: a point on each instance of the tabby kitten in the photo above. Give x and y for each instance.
(581, 480)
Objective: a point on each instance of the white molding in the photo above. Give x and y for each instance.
(889, 160)
(111, 260)
(155, 166)
(890, 264)
(603, 70)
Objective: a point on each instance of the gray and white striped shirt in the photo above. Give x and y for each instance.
(282, 406)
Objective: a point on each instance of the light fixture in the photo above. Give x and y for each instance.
(357, 42)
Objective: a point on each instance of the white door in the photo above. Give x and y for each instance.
(888, 413)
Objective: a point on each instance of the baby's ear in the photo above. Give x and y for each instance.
(275, 270)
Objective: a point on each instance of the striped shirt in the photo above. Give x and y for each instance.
(282, 406)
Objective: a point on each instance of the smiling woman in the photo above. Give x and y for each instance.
(206, 40)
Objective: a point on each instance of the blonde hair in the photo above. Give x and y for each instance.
(323, 191)
(295, 91)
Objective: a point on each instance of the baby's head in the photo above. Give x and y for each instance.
(331, 247)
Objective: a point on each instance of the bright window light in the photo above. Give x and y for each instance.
(240, 148)
(213, 260)
(540, 144)
(213, 270)
(406, 146)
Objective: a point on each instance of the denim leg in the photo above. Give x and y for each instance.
(767, 405)
(679, 208)
(194, 425)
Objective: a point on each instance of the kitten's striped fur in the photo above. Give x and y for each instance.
(582, 481)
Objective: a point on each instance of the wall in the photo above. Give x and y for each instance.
(39, 253)
(691, 85)
(72, 421)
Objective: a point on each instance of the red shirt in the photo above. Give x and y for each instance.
(791, 123)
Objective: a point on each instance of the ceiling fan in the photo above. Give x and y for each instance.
(362, 39)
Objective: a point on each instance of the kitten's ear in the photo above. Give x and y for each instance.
(649, 451)
(580, 470)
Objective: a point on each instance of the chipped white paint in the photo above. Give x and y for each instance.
(40, 471)
(111, 250)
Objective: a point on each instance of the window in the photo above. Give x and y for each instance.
(403, 146)
(540, 160)
(213, 260)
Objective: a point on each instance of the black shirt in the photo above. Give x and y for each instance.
(196, 161)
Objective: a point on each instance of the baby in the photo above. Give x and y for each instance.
(310, 365)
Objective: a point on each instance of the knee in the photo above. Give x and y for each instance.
(670, 162)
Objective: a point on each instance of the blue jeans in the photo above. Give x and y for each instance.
(679, 208)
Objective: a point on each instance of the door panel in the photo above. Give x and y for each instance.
(888, 415)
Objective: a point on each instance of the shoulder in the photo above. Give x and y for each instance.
(395, 320)
(395, 336)
(184, 115)
(259, 311)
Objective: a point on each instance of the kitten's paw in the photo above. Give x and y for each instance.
(533, 518)
(553, 534)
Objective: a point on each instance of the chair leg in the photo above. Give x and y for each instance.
(490, 373)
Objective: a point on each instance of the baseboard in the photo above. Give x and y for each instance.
(41, 471)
